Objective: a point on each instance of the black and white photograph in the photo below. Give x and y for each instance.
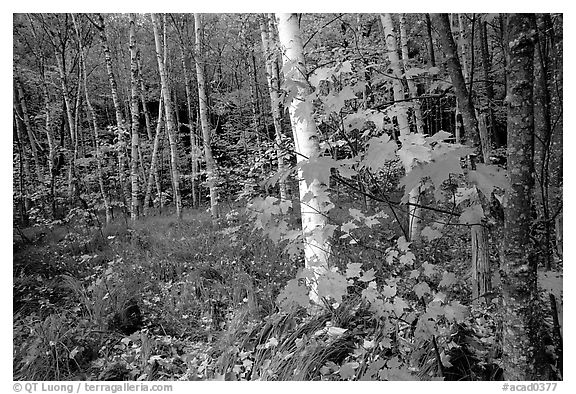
(286, 197)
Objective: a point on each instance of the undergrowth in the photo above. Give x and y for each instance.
(162, 299)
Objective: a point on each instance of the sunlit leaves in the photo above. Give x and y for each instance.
(380, 151)
(332, 284)
(488, 177)
(293, 294)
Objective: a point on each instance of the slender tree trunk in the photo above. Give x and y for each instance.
(134, 206)
(193, 142)
(203, 109)
(488, 85)
(395, 65)
(24, 168)
(153, 172)
(430, 41)
(170, 128)
(465, 105)
(316, 246)
(147, 120)
(92, 115)
(29, 130)
(120, 123)
(411, 84)
(543, 134)
(402, 117)
(518, 267)
(274, 100)
(463, 49)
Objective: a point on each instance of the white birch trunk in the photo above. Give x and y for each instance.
(402, 118)
(274, 100)
(92, 115)
(316, 249)
(203, 109)
(135, 118)
(169, 116)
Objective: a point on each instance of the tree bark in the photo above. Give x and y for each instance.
(274, 100)
(193, 140)
(134, 206)
(28, 127)
(430, 41)
(153, 171)
(169, 116)
(488, 85)
(411, 84)
(92, 114)
(402, 117)
(316, 247)
(518, 267)
(465, 106)
(147, 120)
(203, 110)
(120, 123)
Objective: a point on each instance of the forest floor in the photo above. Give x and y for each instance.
(163, 299)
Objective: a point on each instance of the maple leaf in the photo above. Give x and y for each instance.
(488, 177)
(380, 151)
(400, 305)
(407, 258)
(388, 291)
(356, 214)
(403, 245)
(448, 279)
(472, 215)
(430, 233)
(347, 227)
(369, 275)
(413, 148)
(294, 294)
(347, 370)
(371, 221)
(317, 168)
(429, 269)
(378, 118)
(353, 270)
(421, 288)
(456, 311)
(335, 102)
(332, 284)
(320, 74)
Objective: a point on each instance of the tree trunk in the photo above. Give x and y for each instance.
(542, 133)
(117, 110)
(518, 267)
(402, 118)
(153, 172)
(274, 100)
(28, 127)
(193, 141)
(203, 109)
(411, 84)
(92, 115)
(430, 42)
(134, 206)
(169, 116)
(147, 120)
(316, 246)
(488, 85)
(465, 106)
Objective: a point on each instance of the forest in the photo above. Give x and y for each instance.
(272, 197)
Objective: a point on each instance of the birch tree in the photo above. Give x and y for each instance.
(134, 206)
(92, 115)
(170, 127)
(316, 247)
(401, 116)
(267, 45)
(203, 111)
